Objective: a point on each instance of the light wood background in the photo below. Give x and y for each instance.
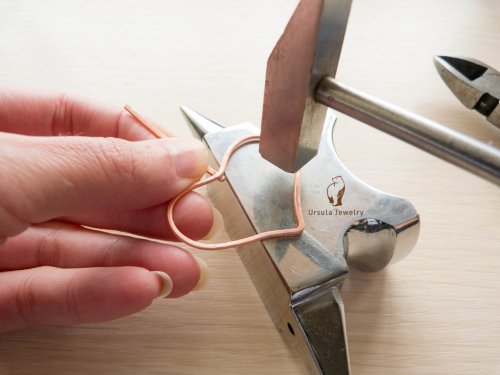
(436, 312)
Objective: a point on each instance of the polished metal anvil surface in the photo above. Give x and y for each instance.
(347, 223)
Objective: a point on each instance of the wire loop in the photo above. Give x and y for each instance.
(220, 176)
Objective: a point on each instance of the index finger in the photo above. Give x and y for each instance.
(61, 114)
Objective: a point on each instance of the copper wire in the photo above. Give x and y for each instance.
(154, 130)
(219, 175)
(257, 237)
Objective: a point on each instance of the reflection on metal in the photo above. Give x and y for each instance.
(298, 279)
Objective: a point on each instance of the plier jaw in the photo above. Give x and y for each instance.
(474, 83)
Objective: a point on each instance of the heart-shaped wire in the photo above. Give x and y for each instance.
(219, 175)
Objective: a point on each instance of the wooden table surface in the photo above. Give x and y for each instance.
(435, 312)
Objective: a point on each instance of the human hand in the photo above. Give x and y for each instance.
(53, 270)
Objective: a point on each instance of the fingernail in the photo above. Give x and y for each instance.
(204, 273)
(190, 158)
(166, 284)
(217, 226)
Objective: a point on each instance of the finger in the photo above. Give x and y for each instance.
(43, 178)
(193, 215)
(68, 246)
(59, 114)
(46, 295)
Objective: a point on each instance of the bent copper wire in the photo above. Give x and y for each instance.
(219, 175)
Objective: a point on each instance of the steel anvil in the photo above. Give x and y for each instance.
(346, 222)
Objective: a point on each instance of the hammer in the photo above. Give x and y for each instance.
(301, 84)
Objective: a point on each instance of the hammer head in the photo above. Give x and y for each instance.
(308, 50)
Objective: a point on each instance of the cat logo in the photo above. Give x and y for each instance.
(335, 191)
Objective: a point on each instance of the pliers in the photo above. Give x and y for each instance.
(474, 83)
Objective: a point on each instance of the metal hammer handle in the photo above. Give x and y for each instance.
(463, 151)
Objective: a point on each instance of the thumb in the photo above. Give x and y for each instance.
(42, 178)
